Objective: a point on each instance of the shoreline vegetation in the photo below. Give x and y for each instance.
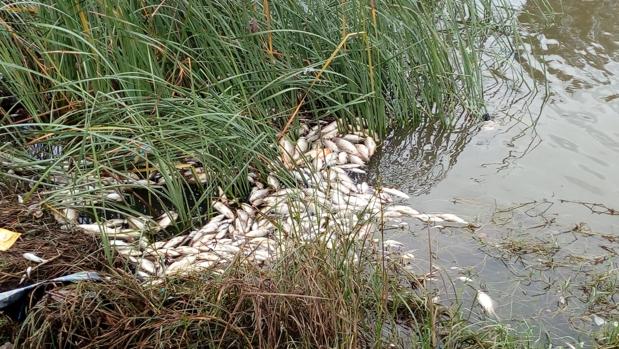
(154, 119)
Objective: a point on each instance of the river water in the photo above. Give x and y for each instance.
(539, 181)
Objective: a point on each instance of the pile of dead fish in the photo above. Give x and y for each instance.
(320, 201)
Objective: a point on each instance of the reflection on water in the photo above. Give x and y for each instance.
(580, 44)
(421, 157)
(553, 145)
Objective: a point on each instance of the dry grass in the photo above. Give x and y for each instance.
(67, 251)
(304, 302)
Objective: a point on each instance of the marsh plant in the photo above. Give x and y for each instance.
(116, 87)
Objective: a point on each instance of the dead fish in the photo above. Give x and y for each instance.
(350, 186)
(221, 233)
(204, 264)
(364, 188)
(114, 196)
(302, 145)
(342, 199)
(145, 264)
(226, 248)
(329, 135)
(258, 194)
(273, 182)
(452, 218)
(329, 128)
(464, 279)
(197, 178)
(392, 214)
(207, 256)
(137, 222)
(353, 138)
(168, 252)
(208, 228)
(33, 257)
(404, 210)
(166, 219)
(251, 211)
(356, 160)
(181, 265)
(70, 214)
(342, 158)
(239, 226)
(392, 244)
(371, 145)
(286, 146)
(243, 216)
(313, 135)
(315, 153)
(599, 321)
(395, 192)
(260, 232)
(317, 164)
(348, 166)
(175, 241)
(362, 152)
(357, 170)
(261, 255)
(331, 159)
(346, 146)
(115, 222)
(204, 239)
(435, 219)
(97, 229)
(117, 243)
(330, 145)
(486, 303)
(186, 250)
(223, 209)
(128, 251)
(426, 218)
(158, 244)
(366, 230)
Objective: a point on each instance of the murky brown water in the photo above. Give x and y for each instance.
(554, 142)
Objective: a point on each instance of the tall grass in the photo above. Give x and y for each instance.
(141, 86)
(391, 60)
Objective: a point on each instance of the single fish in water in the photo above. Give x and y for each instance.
(451, 218)
(395, 192)
(486, 303)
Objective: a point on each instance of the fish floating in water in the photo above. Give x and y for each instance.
(486, 303)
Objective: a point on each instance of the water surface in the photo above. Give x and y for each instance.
(529, 178)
